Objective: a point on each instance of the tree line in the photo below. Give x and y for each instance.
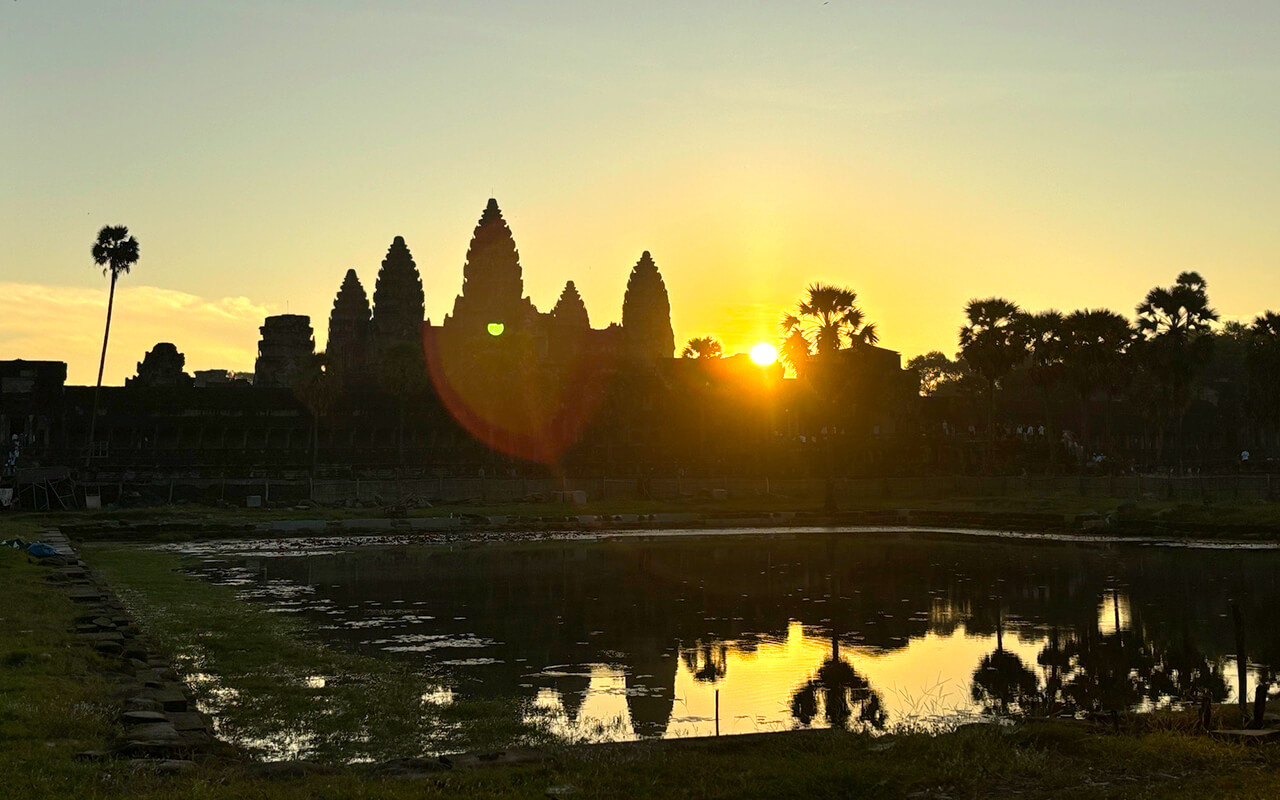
(1157, 364)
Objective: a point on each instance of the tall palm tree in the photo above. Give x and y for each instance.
(993, 343)
(1263, 360)
(822, 324)
(1044, 333)
(1095, 349)
(703, 347)
(1174, 323)
(116, 252)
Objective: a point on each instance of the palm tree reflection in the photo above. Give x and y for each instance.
(840, 694)
(1002, 684)
(708, 663)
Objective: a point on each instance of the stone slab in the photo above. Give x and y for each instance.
(189, 721)
(85, 595)
(170, 697)
(501, 758)
(151, 731)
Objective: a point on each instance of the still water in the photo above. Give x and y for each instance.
(667, 636)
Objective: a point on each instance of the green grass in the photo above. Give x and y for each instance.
(52, 699)
(278, 691)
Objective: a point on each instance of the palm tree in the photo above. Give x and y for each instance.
(822, 324)
(826, 319)
(116, 252)
(1044, 335)
(703, 347)
(1095, 347)
(993, 342)
(1263, 359)
(1174, 323)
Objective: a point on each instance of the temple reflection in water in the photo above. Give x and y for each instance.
(633, 638)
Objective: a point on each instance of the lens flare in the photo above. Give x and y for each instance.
(764, 354)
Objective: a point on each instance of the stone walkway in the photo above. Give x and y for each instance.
(162, 730)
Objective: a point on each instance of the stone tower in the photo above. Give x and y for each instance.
(570, 310)
(161, 367)
(399, 305)
(347, 350)
(646, 313)
(286, 345)
(492, 284)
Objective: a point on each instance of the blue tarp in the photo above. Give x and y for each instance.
(41, 550)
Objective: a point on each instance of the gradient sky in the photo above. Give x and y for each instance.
(1060, 154)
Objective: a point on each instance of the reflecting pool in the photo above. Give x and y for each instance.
(665, 636)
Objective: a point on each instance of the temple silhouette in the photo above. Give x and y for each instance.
(501, 389)
(496, 387)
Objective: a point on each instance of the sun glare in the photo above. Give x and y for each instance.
(764, 354)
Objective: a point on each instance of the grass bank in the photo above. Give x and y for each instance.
(53, 697)
(54, 702)
(1226, 521)
(278, 692)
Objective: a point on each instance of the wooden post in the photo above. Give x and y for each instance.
(717, 712)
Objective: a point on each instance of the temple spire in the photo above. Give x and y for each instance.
(646, 312)
(570, 310)
(348, 343)
(399, 305)
(492, 279)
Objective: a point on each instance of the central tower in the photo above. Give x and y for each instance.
(492, 299)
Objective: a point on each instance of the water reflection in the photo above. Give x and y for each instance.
(637, 638)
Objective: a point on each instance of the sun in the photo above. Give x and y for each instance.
(764, 354)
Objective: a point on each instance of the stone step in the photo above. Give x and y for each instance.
(143, 717)
(170, 696)
(140, 703)
(190, 721)
(180, 744)
(104, 636)
(85, 595)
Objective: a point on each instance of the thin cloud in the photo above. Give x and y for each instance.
(65, 323)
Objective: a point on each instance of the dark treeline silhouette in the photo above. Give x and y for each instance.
(1093, 390)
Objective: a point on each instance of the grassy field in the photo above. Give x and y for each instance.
(54, 702)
